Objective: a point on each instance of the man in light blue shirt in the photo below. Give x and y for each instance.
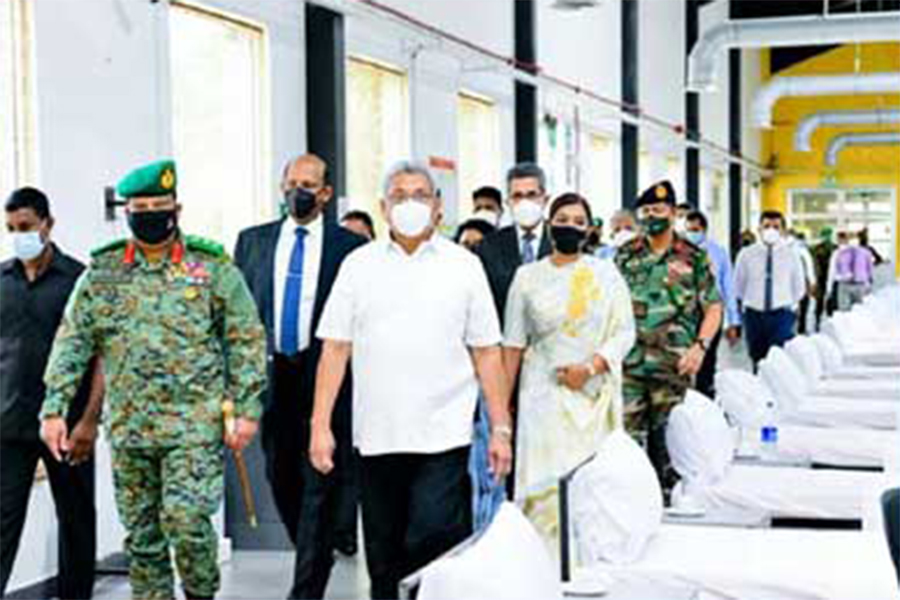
(697, 227)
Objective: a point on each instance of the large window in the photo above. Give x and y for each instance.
(713, 203)
(220, 121)
(377, 130)
(18, 148)
(479, 148)
(846, 210)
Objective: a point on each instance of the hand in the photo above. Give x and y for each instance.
(244, 430)
(81, 442)
(573, 376)
(321, 449)
(692, 360)
(733, 335)
(499, 456)
(55, 434)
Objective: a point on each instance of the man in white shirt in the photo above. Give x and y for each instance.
(416, 316)
(769, 282)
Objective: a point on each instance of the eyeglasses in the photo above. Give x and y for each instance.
(422, 198)
(532, 195)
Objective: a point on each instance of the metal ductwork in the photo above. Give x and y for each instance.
(768, 33)
(780, 87)
(808, 126)
(888, 138)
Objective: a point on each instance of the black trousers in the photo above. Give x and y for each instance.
(705, 382)
(73, 494)
(415, 507)
(306, 500)
(803, 314)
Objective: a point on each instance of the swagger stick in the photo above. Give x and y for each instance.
(240, 465)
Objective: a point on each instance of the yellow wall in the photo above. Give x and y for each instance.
(857, 165)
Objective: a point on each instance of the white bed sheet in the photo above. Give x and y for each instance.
(795, 492)
(836, 446)
(761, 564)
(869, 389)
(842, 412)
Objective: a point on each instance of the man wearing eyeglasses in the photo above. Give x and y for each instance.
(522, 242)
(414, 313)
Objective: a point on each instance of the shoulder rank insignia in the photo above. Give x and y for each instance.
(200, 244)
(108, 247)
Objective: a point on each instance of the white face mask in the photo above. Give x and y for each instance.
(410, 218)
(488, 216)
(528, 213)
(27, 245)
(622, 237)
(771, 236)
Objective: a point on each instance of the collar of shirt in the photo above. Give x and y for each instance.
(538, 232)
(430, 245)
(313, 229)
(59, 262)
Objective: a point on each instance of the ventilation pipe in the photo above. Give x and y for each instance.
(768, 33)
(806, 128)
(840, 142)
(780, 87)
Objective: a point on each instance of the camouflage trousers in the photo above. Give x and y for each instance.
(166, 497)
(647, 404)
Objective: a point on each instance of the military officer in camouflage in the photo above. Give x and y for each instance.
(178, 333)
(677, 312)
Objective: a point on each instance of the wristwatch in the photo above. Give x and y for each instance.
(703, 343)
(503, 431)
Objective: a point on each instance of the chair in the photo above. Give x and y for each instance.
(890, 504)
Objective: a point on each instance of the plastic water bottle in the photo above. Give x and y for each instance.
(768, 434)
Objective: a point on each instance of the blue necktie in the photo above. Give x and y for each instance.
(527, 248)
(290, 308)
(769, 292)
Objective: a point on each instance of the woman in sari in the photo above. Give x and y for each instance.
(569, 325)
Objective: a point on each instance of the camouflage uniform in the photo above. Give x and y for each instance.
(165, 332)
(670, 294)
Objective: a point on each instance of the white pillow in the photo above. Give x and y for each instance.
(510, 560)
(829, 352)
(743, 396)
(615, 503)
(699, 441)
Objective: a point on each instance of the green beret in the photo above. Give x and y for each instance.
(155, 179)
(661, 191)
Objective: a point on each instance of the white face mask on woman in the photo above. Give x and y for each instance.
(410, 218)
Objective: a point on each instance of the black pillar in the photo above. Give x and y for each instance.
(735, 175)
(630, 142)
(691, 110)
(325, 98)
(525, 32)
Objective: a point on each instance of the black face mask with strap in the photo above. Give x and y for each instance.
(153, 226)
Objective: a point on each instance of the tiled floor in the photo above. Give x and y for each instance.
(262, 575)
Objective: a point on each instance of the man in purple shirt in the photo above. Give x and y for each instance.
(853, 272)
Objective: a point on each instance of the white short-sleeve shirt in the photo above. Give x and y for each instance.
(412, 320)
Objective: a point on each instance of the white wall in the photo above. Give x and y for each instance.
(661, 75)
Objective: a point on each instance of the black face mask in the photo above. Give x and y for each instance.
(567, 240)
(153, 227)
(301, 202)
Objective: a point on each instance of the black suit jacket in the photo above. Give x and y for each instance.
(501, 256)
(255, 256)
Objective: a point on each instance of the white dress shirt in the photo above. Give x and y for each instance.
(412, 320)
(312, 259)
(788, 281)
(535, 243)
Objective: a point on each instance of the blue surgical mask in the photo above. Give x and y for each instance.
(27, 245)
(695, 237)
